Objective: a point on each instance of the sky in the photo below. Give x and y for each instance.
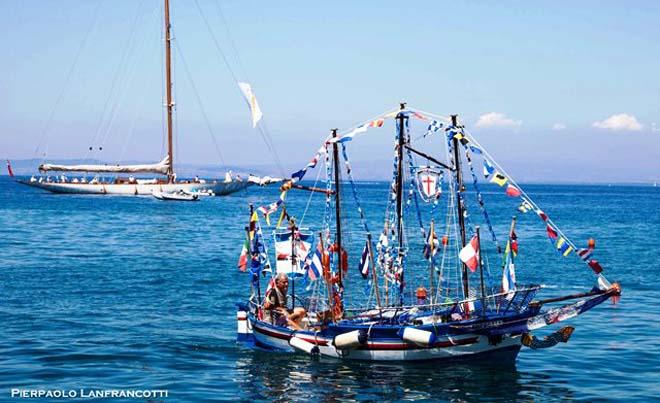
(555, 91)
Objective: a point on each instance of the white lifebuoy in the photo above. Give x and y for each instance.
(419, 337)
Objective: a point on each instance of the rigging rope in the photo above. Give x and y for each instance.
(67, 80)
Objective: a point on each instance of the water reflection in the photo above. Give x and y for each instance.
(282, 377)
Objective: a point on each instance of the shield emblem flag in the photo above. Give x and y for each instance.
(428, 183)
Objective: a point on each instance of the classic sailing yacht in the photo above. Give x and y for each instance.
(130, 185)
(428, 293)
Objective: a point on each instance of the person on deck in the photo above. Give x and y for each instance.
(275, 305)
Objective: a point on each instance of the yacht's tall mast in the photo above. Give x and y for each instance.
(168, 88)
(459, 200)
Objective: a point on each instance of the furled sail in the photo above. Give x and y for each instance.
(158, 168)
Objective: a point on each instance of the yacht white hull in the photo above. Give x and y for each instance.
(127, 189)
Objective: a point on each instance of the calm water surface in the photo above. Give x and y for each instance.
(113, 292)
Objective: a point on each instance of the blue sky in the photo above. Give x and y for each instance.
(557, 91)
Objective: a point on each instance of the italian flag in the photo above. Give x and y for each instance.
(242, 260)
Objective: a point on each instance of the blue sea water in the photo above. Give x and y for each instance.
(103, 292)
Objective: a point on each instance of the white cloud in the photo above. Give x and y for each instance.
(495, 119)
(558, 126)
(620, 121)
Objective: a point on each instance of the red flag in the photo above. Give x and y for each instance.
(552, 234)
(595, 266)
(542, 215)
(512, 191)
(11, 172)
(470, 254)
(242, 260)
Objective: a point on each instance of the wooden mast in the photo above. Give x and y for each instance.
(459, 201)
(168, 89)
(335, 155)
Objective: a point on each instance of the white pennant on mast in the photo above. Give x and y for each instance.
(251, 99)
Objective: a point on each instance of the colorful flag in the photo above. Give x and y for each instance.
(470, 254)
(242, 260)
(499, 179)
(252, 102)
(253, 225)
(364, 261)
(349, 136)
(525, 206)
(433, 127)
(542, 215)
(514, 243)
(563, 247)
(377, 123)
(509, 277)
(585, 253)
(431, 245)
(512, 191)
(476, 150)
(314, 267)
(488, 168)
(9, 170)
(595, 266)
(552, 234)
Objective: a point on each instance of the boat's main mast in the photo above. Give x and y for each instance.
(459, 201)
(335, 154)
(168, 88)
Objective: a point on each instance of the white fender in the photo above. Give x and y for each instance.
(242, 323)
(419, 337)
(350, 340)
(304, 345)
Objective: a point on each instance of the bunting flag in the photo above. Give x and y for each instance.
(419, 116)
(525, 206)
(585, 254)
(461, 138)
(470, 254)
(512, 191)
(499, 179)
(364, 261)
(595, 266)
(563, 247)
(9, 170)
(252, 102)
(271, 208)
(349, 136)
(242, 260)
(376, 123)
(476, 150)
(433, 127)
(312, 164)
(552, 234)
(489, 169)
(542, 215)
(283, 216)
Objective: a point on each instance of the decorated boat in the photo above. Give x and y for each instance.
(106, 179)
(426, 293)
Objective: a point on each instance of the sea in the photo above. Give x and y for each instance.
(133, 293)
